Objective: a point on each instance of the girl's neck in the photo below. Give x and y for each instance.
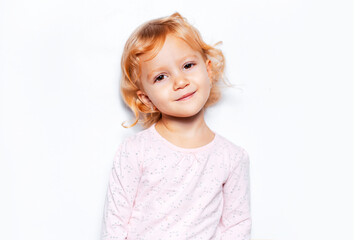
(189, 132)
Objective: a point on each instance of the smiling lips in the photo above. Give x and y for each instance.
(186, 96)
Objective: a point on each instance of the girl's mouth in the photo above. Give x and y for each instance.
(186, 96)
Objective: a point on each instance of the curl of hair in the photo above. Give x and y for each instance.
(150, 37)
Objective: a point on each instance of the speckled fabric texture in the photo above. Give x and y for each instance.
(158, 190)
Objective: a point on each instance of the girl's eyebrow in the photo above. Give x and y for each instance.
(182, 59)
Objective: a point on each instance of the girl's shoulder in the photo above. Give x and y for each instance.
(234, 150)
(131, 144)
(136, 139)
(147, 139)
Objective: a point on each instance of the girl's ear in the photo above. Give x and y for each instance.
(208, 68)
(145, 99)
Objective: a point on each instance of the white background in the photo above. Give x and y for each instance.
(61, 110)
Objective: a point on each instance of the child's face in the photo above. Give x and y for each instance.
(177, 70)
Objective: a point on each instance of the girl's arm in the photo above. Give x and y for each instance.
(235, 222)
(121, 192)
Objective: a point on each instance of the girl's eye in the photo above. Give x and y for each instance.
(159, 78)
(188, 65)
(162, 76)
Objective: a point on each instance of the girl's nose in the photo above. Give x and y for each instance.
(180, 81)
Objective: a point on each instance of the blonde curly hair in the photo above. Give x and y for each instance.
(150, 37)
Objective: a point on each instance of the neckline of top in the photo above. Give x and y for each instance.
(182, 149)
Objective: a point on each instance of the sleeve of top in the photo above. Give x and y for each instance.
(121, 192)
(235, 222)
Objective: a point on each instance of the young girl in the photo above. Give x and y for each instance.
(177, 179)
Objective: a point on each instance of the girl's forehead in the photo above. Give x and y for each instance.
(173, 46)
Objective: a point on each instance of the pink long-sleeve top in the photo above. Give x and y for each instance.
(158, 190)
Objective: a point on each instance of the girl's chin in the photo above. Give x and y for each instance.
(183, 114)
